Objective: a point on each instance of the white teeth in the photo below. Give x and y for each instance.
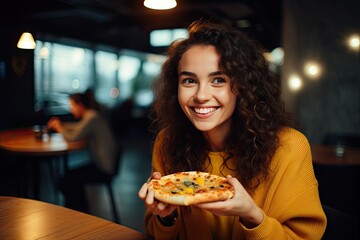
(204, 110)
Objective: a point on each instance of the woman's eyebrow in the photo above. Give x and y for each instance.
(216, 73)
(186, 73)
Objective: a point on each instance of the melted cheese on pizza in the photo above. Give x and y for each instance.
(192, 185)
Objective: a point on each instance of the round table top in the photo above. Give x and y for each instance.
(24, 141)
(22, 218)
(330, 155)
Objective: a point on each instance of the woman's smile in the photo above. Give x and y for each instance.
(204, 110)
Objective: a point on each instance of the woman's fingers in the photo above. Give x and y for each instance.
(149, 200)
(148, 196)
(162, 206)
(239, 189)
(143, 191)
(156, 175)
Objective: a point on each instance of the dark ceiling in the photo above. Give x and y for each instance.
(127, 23)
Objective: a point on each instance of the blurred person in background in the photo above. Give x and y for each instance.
(94, 129)
(90, 94)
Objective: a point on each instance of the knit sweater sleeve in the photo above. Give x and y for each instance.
(292, 206)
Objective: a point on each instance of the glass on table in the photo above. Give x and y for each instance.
(41, 132)
(339, 150)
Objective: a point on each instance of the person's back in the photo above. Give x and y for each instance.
(93, 128)
(101, 141)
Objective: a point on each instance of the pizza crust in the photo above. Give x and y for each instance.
(194, 187)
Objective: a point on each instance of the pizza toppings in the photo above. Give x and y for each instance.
(191, 186)
(185, 188)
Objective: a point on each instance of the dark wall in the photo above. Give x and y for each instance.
(16, 81)
(319, 30)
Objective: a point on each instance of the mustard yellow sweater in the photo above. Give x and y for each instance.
(289, 200)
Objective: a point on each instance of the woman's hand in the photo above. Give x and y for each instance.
(55, 124)
(156, 207)
(241, 205)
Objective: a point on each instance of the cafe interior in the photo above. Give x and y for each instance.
(116, 48)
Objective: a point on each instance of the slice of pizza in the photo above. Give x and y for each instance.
(187, 188)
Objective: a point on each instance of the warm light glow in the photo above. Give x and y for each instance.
(312, 70)
(354, 42)
(26, 41)
(44, 53)
(160, 4)
(295, 82)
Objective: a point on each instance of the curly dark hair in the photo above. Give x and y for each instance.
(259, 113)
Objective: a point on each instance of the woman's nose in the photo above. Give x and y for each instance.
(203, 93)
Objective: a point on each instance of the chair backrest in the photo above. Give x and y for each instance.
(119, 154)
(340, 225)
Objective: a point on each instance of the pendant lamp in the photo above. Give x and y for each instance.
(26, 41)
(160, 4)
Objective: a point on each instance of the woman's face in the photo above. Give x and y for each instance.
(204, 91)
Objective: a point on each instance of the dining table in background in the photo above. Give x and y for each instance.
(335, 155)
(23, 141)
(22, 218)
(337, 169)
(27, 147)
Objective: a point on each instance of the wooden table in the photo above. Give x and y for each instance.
(22, 218)
(22, 142)
(326, 154)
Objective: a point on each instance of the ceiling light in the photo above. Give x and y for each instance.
(26, 41)
(354, 42)
(295, 82)
(312, 70)
(160, 4)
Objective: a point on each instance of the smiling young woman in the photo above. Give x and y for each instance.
(218, 110)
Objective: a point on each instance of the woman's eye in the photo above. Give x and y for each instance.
(188, 81)
(218, 80)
